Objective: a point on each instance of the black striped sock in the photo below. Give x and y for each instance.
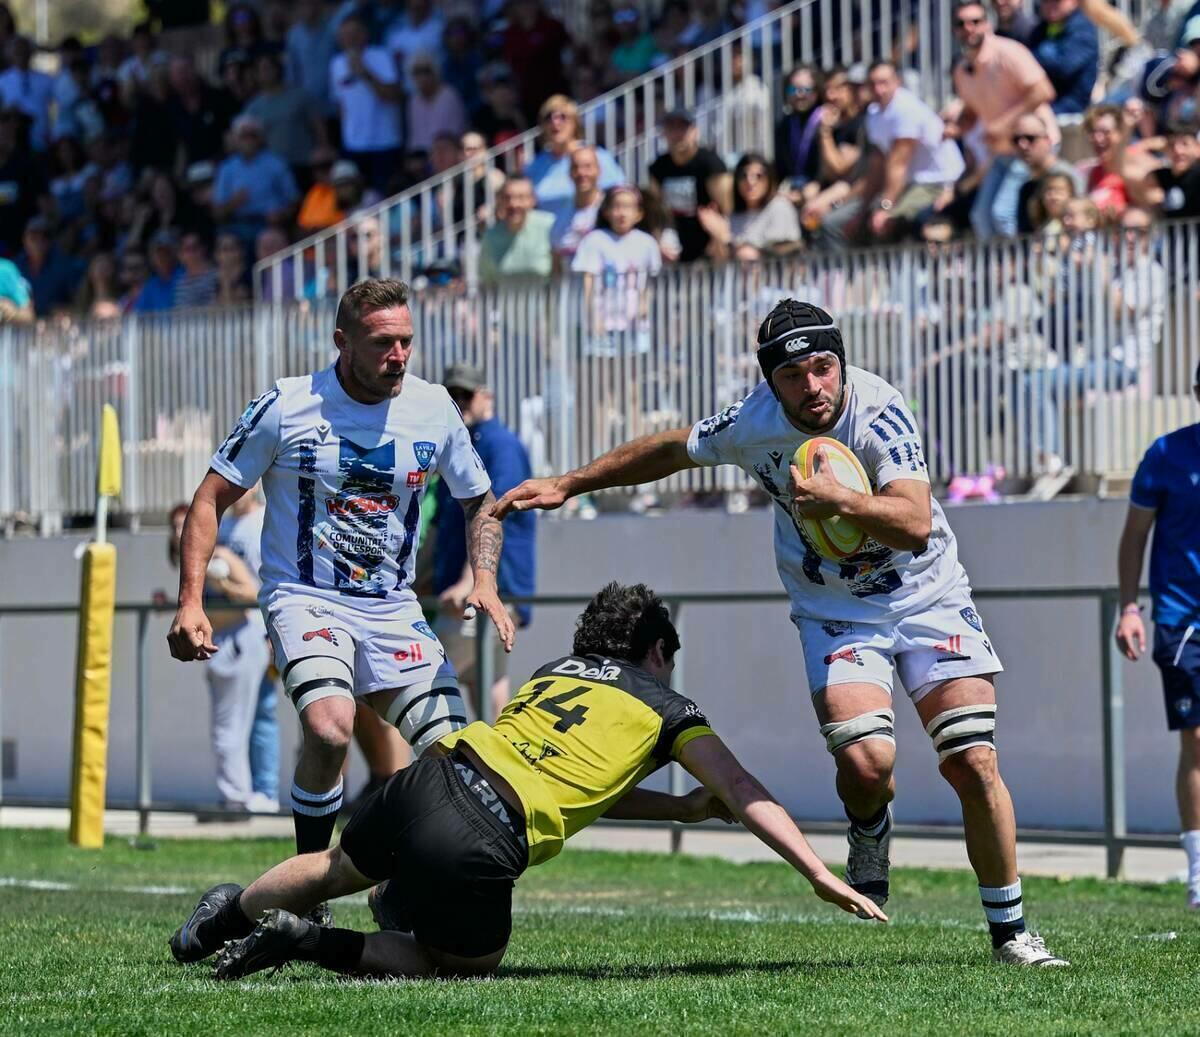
(874, 827)
(1005, 911)
(314, 815)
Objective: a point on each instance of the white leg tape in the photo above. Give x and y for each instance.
(877, 724)
(963, 727)
(428, 710)
(317, 677)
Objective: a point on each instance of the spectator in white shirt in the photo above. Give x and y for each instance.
(419, 31)
(433, 106)
(310, 49)
(363, 81)
(617, 261)
(751, 99)
(27, 90)
(576, 218)
(1139, 296)
(909, 165)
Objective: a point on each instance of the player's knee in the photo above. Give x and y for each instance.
(328, 727)
(972, 773)
(864, 747)
(868, 766)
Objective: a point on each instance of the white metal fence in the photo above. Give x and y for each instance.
(1009, 354)
(425, 225)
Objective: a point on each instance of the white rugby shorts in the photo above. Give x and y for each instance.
(382, 649)
(927, 648)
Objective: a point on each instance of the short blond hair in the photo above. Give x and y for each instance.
(560, 102)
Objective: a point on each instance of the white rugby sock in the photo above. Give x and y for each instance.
(1191, 846)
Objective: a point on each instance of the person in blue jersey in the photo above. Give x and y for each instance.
(507, 464)
(1165, 497)
(344, 456)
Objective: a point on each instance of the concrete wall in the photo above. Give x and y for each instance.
(741, 662)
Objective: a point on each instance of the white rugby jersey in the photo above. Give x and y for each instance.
(343, 483)
(876, 584)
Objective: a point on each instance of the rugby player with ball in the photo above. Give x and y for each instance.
(872, 570)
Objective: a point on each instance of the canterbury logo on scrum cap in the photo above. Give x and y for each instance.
(794, 345)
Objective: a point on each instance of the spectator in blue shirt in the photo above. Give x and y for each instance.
(550, 170)
(159, 291)
(1166, 495)
(53, 276)
(1067, 46)
(507, 463)
(254, 186)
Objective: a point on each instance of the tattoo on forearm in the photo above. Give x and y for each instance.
(485, 535)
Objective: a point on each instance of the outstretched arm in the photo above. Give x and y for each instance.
(642, 460)
(710, 762)
(648, 805)
(485, 538)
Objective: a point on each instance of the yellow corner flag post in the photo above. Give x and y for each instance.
(93, 665)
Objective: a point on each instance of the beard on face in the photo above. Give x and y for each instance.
(827, 416)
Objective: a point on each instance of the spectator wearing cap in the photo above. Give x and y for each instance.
(998, 80)
(52, 275)
(519, 245)
(198, 181)
(197, 284)
(696, 187)
(507, 464)
(1014, 22)
(1174, 189)
(433, 106)
(16, 301)
(27, 90)
(418, 31)
(201, 113)
(291, 123)
(574, 220)
(1032, 142)
(1067, 46)
(363, 81)
(797, 144)
(550, 169)
(310, 49)
(349, 190)
(237, 77)
(254, 187)
(499, 116)
(533, 47)
(909, 165)
(158, 293)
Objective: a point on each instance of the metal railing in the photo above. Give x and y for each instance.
(420, 229)
(1016, 355)
(1115, 836)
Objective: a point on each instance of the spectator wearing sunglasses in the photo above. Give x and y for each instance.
(1032, 143)
(797, 148)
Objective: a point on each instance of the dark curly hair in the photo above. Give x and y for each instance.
(624, 623)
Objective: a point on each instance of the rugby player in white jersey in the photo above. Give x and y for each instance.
(345, 455)
(902, 603)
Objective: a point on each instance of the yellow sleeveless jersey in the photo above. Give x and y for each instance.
(582, 732)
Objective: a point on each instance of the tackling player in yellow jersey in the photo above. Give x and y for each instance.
(447, 837)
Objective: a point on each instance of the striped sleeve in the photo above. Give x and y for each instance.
(891, 447)
(250, 448)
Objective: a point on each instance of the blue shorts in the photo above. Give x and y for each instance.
(1177, 653)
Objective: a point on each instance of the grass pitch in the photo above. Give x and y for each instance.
(602, 943)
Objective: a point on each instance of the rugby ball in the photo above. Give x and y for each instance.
(833, 538)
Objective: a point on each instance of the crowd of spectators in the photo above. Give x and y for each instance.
(130, 169)
(322, 108)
